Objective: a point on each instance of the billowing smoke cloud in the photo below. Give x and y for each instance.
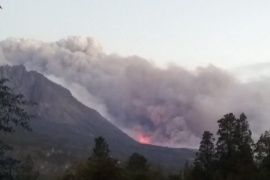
(172, 106)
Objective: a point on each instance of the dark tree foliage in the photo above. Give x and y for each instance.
(243, 139)
(234, 148)
(100, 166)
(204, 161)
(137, 162)
(12, 114)
(137, 167)
(187, 172)
(244, 157)
(25, 170)
(231, 159)
(262, 155)
(101, 148)
(225, 144)
(263, 146)
(11, 109)
(104, 168)
(174, 177)
(69, 177)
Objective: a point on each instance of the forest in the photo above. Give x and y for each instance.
(234, 156)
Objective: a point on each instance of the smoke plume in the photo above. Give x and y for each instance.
(170, 107)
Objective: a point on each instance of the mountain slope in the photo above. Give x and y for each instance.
(67, 126)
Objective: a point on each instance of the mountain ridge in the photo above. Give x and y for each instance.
(62, 119)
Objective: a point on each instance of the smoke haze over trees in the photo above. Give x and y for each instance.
(172, 106)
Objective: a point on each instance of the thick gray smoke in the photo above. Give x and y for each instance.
(172, 106)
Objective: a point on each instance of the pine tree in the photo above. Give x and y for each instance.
(204, 161)
(244, 156)
(100, 166)
(101, 148)
(234, 147)
(243, 138)
(225, 145)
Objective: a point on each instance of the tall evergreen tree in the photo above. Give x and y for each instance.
(100, 166)
(244, 156)
(225, 145)
(204, 161)
(101, 148)
(243, 139)
(234, 147)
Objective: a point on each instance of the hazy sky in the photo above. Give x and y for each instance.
(190, 33)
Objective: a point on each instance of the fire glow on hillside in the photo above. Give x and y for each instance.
(143, 139)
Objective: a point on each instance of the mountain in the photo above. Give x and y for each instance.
(64, 129)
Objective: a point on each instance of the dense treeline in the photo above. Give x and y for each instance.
(101, 166)
(233, 156)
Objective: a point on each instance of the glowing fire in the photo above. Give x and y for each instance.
(144, 139)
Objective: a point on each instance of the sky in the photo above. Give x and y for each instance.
(190, 33)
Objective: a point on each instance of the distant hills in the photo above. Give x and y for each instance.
(64, 129)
